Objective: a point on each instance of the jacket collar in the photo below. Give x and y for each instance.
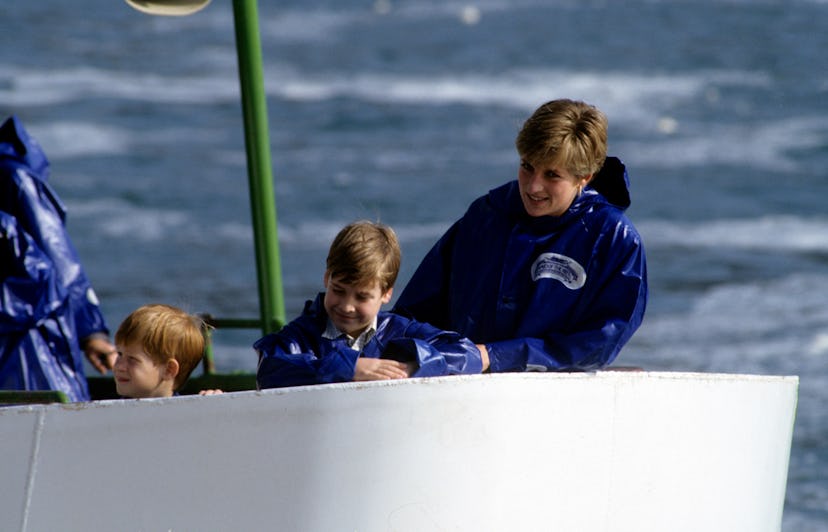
(609, 186)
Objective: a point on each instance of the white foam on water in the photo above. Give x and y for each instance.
(29, 87)
(769, 327)
(127, 221)
(769, 233)
(770, 144)
(62, 139)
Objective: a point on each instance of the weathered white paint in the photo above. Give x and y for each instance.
(612, 451)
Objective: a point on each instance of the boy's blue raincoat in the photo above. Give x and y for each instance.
(48, 305)
(299, 355)
(543, 293)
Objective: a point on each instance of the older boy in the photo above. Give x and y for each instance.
(158, 347)
(343, 336)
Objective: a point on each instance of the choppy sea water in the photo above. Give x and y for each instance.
(405, 111)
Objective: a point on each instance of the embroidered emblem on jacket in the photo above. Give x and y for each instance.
(560, 267)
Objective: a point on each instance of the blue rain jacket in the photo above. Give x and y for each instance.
(542, 293)
(298, 354)
(48, 304)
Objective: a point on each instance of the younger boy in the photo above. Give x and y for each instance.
(342, 335)
(158, 347)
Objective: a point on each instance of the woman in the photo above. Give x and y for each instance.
(546, 272)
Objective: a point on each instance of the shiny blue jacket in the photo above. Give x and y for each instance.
(543, 293)
(298, 354)
(48, 304)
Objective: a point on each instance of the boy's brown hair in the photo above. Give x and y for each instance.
(364, 252)
(165, 332)
(567, 134)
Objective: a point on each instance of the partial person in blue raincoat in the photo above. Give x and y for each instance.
(545, 272)
(50, 314)
(343, 336)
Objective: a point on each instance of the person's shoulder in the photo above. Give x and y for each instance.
(309, 324)
(392, 325)
(611, 219)
(500, 196)
(499, 200)
(387, 318)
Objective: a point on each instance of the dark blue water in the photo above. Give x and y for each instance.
(405, 111)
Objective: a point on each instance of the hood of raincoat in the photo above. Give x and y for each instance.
(17, 145)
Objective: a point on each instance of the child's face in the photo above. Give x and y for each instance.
(353, 308)
(137, 375)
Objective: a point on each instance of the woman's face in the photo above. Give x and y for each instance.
(547, 191)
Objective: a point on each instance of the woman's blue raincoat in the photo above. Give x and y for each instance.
(543, 293)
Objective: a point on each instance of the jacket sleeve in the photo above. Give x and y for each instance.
(295, 357)
(435, 351)
(29, 291)
(611, 314)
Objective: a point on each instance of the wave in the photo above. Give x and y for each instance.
(66, 139)
(644, 103)
(127, 221)
(316, 234)
(622, 95)
(776, 233)
(770, 233)
(771, 144)
(770, 327)
(21, 87)
(766, 233)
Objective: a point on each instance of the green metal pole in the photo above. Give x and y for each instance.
(259, 170)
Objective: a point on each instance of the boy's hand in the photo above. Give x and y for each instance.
(378, 369)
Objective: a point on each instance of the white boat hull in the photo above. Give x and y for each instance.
(607, 451)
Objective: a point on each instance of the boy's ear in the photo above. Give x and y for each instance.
(386, 297)
(171, 368)
(325, 278)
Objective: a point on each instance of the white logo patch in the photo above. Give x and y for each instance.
(560, 267)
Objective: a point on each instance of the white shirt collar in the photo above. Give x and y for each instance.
(333, 333)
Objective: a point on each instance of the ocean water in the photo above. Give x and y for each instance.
(404, 111)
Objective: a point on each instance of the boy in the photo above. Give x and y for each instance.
(158, 347)
(342, 335)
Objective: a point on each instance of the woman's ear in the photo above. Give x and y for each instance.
(171, 369)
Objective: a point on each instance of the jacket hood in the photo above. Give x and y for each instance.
(609, 186)
(613, 183)
(17, 145)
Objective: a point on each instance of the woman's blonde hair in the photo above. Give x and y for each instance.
(566, 134)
